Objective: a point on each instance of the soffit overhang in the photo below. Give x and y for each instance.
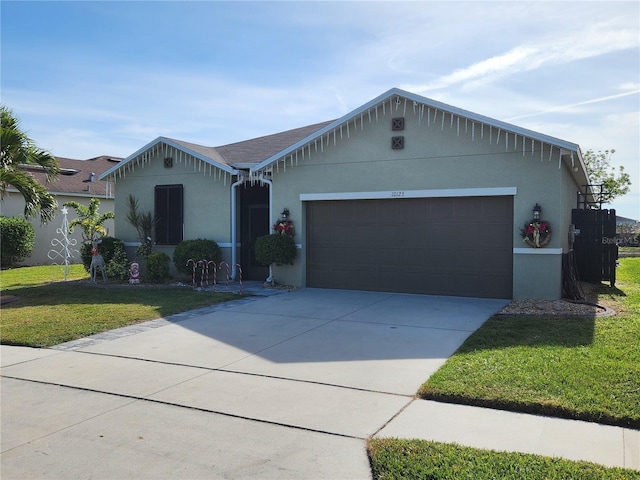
(204, 159)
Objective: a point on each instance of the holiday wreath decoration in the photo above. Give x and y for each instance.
(285, 227)
(537, 233)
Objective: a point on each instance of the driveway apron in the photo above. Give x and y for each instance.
(285, 386)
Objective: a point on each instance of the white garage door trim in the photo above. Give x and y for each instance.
(449, 192)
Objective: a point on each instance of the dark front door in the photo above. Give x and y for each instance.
(254, 223)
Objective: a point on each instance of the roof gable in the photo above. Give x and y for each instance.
(261, 154)
(179, 150)
(228, 158)
(428, 111)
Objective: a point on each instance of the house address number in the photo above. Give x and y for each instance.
(397, 194)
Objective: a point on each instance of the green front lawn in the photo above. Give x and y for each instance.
(579, 368)
(421, 459)
(49, 311)
(576, 368)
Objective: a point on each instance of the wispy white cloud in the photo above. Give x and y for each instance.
(564, 108)
(564, 48)
(271, 66)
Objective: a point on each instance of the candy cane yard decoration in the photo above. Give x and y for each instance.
(207, 266)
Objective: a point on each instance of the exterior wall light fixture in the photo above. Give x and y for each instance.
(536, 213)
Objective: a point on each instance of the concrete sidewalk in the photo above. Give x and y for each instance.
(517, 432)
(287, 386)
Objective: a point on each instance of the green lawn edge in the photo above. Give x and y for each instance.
(423, 459)
(49, 310)
(576, 368)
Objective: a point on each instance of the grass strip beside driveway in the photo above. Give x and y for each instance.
(48, 311)
(421, 459)
(580, 368)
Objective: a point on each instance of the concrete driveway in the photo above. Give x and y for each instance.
(285, 386)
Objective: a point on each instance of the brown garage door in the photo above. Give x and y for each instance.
(439, 246)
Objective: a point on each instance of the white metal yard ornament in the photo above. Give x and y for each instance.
(63, 247)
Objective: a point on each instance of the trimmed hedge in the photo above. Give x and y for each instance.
(198, 249)
(17, 238)
(276, 248)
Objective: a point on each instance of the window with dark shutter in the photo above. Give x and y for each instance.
(169, 214)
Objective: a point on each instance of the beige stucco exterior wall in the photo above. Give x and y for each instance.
(13, 206)
(436, 156)
(207, 201)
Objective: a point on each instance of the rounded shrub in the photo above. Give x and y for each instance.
(198, 249)
(275, 248)
(158, 267)
(17, 239)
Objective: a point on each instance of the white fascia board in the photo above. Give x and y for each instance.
(488, 120)
(398, 194)
(537, 251)
(173, 144)
(85, 195)
(106, 173)
(321, 132)
(68, 194)
(429, 103)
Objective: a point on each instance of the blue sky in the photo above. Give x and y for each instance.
(94, 78)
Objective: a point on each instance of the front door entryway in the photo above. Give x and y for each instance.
(254, 223)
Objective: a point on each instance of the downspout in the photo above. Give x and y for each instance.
(234, 214)
(270, 183)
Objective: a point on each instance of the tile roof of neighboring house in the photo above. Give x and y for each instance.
(75, 174)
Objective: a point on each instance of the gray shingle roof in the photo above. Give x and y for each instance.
(257, 149)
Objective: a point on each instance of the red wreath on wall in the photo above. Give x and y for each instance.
(536, 234)
(285, 227)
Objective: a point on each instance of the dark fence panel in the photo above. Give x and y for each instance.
(595, 245)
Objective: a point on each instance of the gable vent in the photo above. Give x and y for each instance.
(397, 143)
(397, 124)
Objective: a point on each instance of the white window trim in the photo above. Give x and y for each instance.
(399, 194)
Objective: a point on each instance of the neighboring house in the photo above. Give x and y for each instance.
(403, 194)
(78, 181)
(627, 231)
(626, 221)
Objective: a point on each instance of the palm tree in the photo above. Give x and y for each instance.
(18, 151)
(89, 219)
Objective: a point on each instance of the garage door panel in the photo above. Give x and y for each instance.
(441, 246)
(494, 234)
